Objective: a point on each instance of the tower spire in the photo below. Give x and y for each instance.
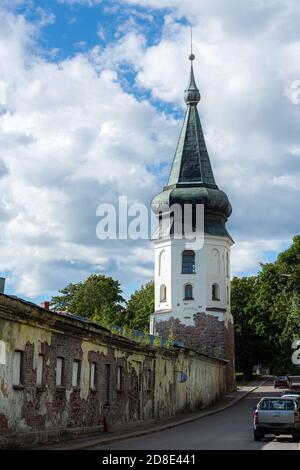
(191, 163)
(191, 93)
(191, 179)
(192, 282)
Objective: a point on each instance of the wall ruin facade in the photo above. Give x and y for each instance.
(119, 380)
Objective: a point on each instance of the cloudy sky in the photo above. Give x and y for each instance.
(91, 104)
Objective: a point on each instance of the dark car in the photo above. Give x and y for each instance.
(282, 381)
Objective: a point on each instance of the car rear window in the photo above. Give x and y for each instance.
(277, 405)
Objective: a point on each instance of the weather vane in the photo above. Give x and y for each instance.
(192, 56)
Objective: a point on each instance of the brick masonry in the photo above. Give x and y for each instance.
(208, 335)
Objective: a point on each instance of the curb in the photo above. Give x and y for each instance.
(159, 428)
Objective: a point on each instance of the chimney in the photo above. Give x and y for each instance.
(2, 285)
(45, 305)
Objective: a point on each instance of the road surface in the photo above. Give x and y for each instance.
(228, 430)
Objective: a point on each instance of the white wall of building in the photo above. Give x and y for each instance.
(212, 265)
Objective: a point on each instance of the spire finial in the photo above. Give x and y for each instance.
(191, 56)
(191, 93)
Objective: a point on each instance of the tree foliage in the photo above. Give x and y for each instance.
(140, 306)
(266, 310)
(97, 298)
(100, 298)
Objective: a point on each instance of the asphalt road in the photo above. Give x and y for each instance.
(228, 430)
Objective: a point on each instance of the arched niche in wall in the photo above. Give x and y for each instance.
(215, 291)
(163, 293)
(227, 264)
(215, 261)
(161, 262)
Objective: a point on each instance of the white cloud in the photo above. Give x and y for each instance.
(246, 59)
(247, 255)
(129, 49)
(101, 32)
(70, 138)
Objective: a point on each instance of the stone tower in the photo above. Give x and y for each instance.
(192, 283)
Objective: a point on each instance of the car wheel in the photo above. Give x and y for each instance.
(296, 438)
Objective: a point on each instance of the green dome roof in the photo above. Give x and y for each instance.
(214, 199)
(191, 179)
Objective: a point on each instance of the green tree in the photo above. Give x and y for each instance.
(279, 289)
(249, 345)
(62, 302)
(292, 326)
(266, 310)
(140, 306)
(98, 298)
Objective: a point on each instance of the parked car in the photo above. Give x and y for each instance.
(277, 416)
(292, 395)
(282, 381)
(291, 391)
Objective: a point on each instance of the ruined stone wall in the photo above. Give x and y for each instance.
(150, 389)
(165, 384)
(205, 382)
(206, 334)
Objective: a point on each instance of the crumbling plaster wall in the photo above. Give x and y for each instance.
(150, 376)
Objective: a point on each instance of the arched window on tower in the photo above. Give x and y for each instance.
(227, 265)
(215, 261)
(161, 262)
(188, 292)
(215, 291)
(163, 293)
(188, 262)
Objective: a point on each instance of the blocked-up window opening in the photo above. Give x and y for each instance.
(59, 371)
(149, 379)
(40, 370)
(76, 374)
(2, 352)
(17, 368)
(120, 378)
(107, 381)
(93, 375)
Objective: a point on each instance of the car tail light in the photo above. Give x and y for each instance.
(296, 417)
(256, 417)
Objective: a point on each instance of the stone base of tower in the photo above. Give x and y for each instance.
(208, 335)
